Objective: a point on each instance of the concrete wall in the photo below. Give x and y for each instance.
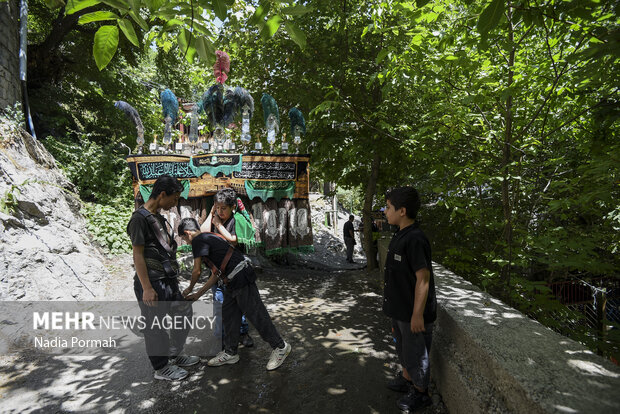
(10, 91)
(487, 357)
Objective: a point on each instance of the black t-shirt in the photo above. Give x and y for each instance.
(141, 234)
(409, 252)
(229, 225)
(214, 247)
(347, 229)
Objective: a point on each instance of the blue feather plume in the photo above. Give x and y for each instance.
(212, 103)
(170, 105)
(131, 113)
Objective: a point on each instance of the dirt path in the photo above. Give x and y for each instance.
(340, 361)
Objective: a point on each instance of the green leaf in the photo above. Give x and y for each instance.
(296, 34)
(75, 5)
(490, 16)
(382, 54)
(421, 3)
(104, 48)
(97, 16)
(220, 9)
(297, 10)
(128, 30)
(154, 4)
(135, 5)
(259, 14)
(199, 27)
(201, 48)
(171, 24)
(118, 4)
(273, 24)
(138, 19)
(186, 42)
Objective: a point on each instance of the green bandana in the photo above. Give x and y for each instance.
(244, 230)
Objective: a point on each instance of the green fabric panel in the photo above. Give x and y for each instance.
(215, 170)
(146, 190)
(244, 230)
(270, 189)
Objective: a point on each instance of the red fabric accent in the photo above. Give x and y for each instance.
(221, 67)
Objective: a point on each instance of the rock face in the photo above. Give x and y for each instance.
(45, 250)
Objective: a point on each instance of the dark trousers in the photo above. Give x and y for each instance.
(350, 243)
(414, 350)
(161, 343)
(246, 300)
(218, 296)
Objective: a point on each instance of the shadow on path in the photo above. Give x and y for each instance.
(341, 358)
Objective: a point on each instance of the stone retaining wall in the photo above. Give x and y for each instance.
(488, 357)
(10, 91)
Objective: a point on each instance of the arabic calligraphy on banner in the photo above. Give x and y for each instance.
(153, 170)
(261, 170)
(207, 173)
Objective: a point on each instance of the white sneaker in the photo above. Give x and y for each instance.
(223, 358)
(185, 361)
(278, 356)
(171, 373)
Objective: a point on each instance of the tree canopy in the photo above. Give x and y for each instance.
(504, 114)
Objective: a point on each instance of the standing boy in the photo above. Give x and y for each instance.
(409, 298)
(349, 238)
(229, 266)
(222, 221)
(155, 284)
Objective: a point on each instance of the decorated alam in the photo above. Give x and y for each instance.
(219, 154)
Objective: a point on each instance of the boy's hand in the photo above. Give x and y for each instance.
(417, 324)
(187, 292)
(216, 220)
(193, 297)
(149, 297)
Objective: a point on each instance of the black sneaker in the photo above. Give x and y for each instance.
(246, 340)
(414, 400)
(399, 383)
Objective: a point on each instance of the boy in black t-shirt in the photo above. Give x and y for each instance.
(155, 285)
(409, 298)
(240, 296)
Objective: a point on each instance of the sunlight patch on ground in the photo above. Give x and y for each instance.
(336, 391)
(146, 404)
(563, 409)
(591, 368)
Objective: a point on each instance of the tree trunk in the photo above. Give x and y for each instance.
(371, 189)
(43, 62)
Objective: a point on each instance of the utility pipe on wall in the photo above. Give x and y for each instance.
(23, 63)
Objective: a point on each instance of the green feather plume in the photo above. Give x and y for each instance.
(297, 119)
(270, 107)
